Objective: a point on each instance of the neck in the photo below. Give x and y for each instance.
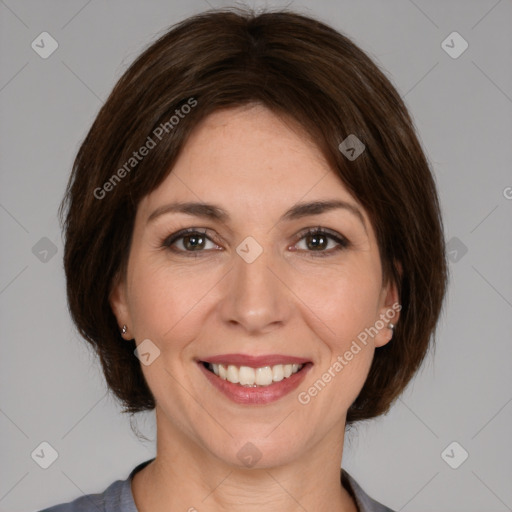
(184, 476)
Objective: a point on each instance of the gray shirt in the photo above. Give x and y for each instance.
(118, 497)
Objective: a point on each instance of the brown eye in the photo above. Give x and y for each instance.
(322, 242)
(316, 241)
(194, 242)
(188, 241)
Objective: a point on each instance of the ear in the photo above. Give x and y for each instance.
(389, 312)
(119, 304)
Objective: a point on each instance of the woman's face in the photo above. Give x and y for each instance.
(251, 283)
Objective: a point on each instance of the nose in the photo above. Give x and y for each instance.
(256, 297)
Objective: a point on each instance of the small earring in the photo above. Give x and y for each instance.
(391, 326)
(124, 329)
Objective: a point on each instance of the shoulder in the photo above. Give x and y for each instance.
(363, 501)
(115, 498)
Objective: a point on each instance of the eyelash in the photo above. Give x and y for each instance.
(342, 242)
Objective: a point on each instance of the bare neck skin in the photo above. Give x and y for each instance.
(185, 477)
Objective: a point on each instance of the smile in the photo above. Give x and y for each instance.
(253, 385)
(253, 377)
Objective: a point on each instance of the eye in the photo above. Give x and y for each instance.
(322, 241)
(188, 240)
(318, 242)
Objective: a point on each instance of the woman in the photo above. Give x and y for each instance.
(254, 248)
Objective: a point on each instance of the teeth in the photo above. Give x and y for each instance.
(231, 374)
(263, 376)
(277, 373)
(246, 375)
(252, 377)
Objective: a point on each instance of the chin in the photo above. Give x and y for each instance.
(255, 451)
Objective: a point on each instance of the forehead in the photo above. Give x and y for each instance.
(250, 160)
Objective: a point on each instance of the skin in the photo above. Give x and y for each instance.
(290, 300)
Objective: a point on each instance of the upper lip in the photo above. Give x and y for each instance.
(255, 361)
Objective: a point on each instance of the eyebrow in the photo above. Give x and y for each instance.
(297, 211)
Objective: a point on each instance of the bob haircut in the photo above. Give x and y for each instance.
(305, 72)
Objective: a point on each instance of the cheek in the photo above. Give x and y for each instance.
(342, 301)
(339, 307)
(165, 300)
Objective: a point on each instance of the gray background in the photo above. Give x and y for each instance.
(51, 386)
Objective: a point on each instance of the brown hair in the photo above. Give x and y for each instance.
(301, 69)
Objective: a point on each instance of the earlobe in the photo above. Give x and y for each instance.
(389, 315)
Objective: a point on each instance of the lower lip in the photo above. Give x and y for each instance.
(257, 395)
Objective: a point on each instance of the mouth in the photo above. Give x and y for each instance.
(255, 384)
(247, 376)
